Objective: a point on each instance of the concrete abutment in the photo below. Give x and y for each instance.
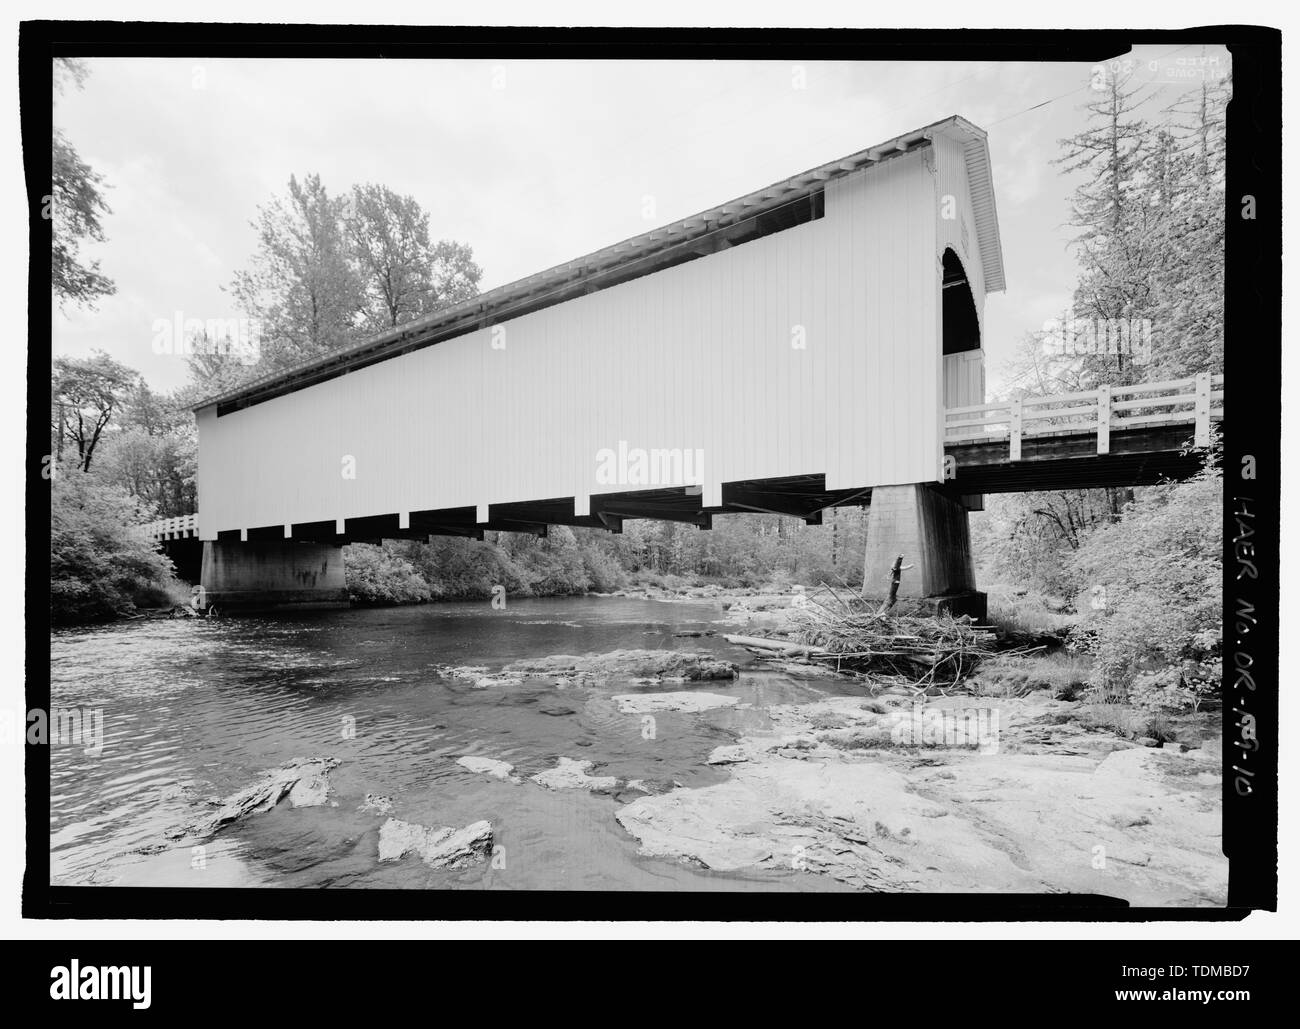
(931, 531)
(248, 576)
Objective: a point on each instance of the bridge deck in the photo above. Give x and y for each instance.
(1069, 460)
(1110, 437)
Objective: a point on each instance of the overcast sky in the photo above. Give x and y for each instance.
(533, 163)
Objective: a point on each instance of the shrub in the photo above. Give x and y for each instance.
(1158, 695)
(1104, 717)
(377, 576)
(602, 570)
(102, 564)
(1025, 614)
(1153, 595)
(550, 567)
(1064, 674)
(465, 569)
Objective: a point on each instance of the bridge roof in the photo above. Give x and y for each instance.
(612, 264)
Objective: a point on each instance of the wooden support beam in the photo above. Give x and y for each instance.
(538, 529)
(844, 501)
(467, 531)
(787, 512)
(664, 514)
(612, 522)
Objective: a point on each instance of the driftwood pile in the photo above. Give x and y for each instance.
(852, 634)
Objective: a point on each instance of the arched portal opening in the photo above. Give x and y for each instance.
(961, 325)
(963, 358)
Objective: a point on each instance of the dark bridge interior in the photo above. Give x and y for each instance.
(961, 325)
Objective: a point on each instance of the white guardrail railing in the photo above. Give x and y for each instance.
(178, 528)
(1197, 401)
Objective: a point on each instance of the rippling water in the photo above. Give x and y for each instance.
(198, 709)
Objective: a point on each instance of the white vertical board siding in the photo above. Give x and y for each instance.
(963, 379)
(883, 370)
(950, 162)
(697, 356)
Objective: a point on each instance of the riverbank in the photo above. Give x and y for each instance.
(596, 743)
(1058, 794)
(756, 608)
(885, 794)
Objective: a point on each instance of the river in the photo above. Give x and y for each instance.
(200, 709)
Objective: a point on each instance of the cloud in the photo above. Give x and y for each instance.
(530, 162)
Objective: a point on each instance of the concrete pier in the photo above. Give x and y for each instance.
(264, 576)
(932, 533)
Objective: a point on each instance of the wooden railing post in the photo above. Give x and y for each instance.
(1103, 420)
(1016, 413)
(1203, 410)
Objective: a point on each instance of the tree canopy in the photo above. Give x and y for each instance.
(75, 209)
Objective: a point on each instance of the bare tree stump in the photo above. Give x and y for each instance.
(895, 578)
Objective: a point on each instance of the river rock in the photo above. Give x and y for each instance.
(303, 780)
(312, 790)
(570, 774)
(485, 682)
(444, 847)
(1124, 821)
(375, 804)
(477, 676)
(488, 766)
(687, 701)
(471, 672)
(630, 664)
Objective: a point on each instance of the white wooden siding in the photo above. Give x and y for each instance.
(952, 180)
(963, 375)
(963, 379)
(696, 356)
